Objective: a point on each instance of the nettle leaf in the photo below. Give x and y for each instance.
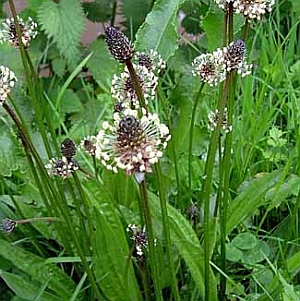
(59, 67)
(34, 4)
(64, 22)
(159, 31)
(213, 25)
(70, 102)
(11, 156)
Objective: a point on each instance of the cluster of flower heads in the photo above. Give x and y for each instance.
(146, 65)
(251, 9)
(8, 31)
(213, 119)
(212, 67)
(7, 81)
(135, 138)
(131, 143)
(66, 165)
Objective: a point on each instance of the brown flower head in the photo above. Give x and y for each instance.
(119, 45)
(68, 149)
(131, 143)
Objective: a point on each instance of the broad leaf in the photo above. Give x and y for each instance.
(251, 198)
(188, 245)
(159, 31)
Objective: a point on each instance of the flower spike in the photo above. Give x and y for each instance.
(119, 45)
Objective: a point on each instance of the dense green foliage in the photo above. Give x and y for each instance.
(64, 91)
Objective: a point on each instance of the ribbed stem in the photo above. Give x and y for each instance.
(166, 228)
(136, 84)
(37, 219)
(30, 83)
(226, 169)
(195, 102)
(150, 236)
(206, 186)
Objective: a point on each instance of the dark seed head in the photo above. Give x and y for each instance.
(130, 132)
(119, 45)
(7, 225)
(89, 147)
(68, 149)
(236, 51)
(145, 60)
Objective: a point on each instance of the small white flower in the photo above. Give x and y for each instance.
(250, 9)
(89, 144)
(61, 167)
(7, 81)
(152, 61)
(209, 68)
(8, 31)
(123, 91)
(234, 58)
(213, 119)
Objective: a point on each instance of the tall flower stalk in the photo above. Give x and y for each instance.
(147, 155)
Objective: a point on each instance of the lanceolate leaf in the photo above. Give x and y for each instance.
(38, 270)
(110, 255)
(25, 289)
(160, 29)
(251, 198)
(188, 245)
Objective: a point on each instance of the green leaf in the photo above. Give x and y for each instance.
(257, 254)
(70, 102)
(110, 253)
(188, 245)
(98, 11)
(64, 22)
(101, 65)
(233, 253)
(159, 30)
(250, 198)
(213, 25)
(135, 12)
(36, 268)
(245, 241)
(25, 289)
(59, 67)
